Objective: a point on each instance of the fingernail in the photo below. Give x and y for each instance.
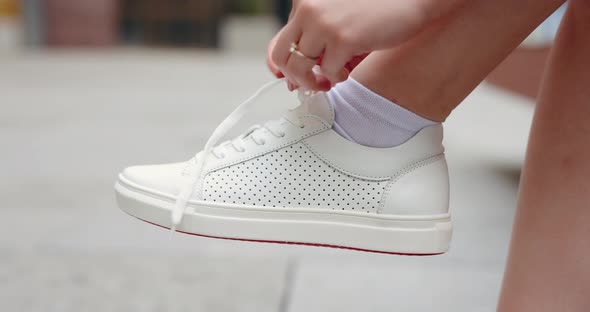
(326, 85)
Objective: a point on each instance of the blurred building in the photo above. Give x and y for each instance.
(198, 23)
(102, 23)
(11, 30)
(173, 22)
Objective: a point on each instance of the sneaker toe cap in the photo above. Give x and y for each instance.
(165, 179)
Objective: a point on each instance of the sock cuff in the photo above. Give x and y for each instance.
(377, 108)
(367, 118)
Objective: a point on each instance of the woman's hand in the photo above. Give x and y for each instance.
(324, 83)
(332, 32)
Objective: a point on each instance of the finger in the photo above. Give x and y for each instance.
(274, 69)
(280, 54)
(323, 83)
(333, 64)
(300, 66)
(292, 86)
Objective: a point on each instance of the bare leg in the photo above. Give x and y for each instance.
(434, 72)
(549, 263)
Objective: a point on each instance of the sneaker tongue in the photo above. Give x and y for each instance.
(318, 105)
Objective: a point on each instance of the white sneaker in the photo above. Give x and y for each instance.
(297, 181)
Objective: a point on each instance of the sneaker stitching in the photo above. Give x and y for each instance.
(322, 157)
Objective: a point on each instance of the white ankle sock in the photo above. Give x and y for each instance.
(365, 117)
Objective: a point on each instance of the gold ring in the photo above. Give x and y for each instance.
(295, 49)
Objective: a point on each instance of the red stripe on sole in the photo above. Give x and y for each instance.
(296, 243)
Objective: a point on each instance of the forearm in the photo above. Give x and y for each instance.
(434, 9)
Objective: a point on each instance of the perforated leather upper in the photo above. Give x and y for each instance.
(292, 177)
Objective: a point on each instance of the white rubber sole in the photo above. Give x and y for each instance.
(410, 235)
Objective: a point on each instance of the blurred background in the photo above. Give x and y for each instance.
(88, 87)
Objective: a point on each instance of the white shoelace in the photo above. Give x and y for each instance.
(224, 127)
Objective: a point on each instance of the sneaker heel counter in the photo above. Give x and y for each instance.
(421, 190)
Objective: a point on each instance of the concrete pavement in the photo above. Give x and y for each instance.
(70, 120)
